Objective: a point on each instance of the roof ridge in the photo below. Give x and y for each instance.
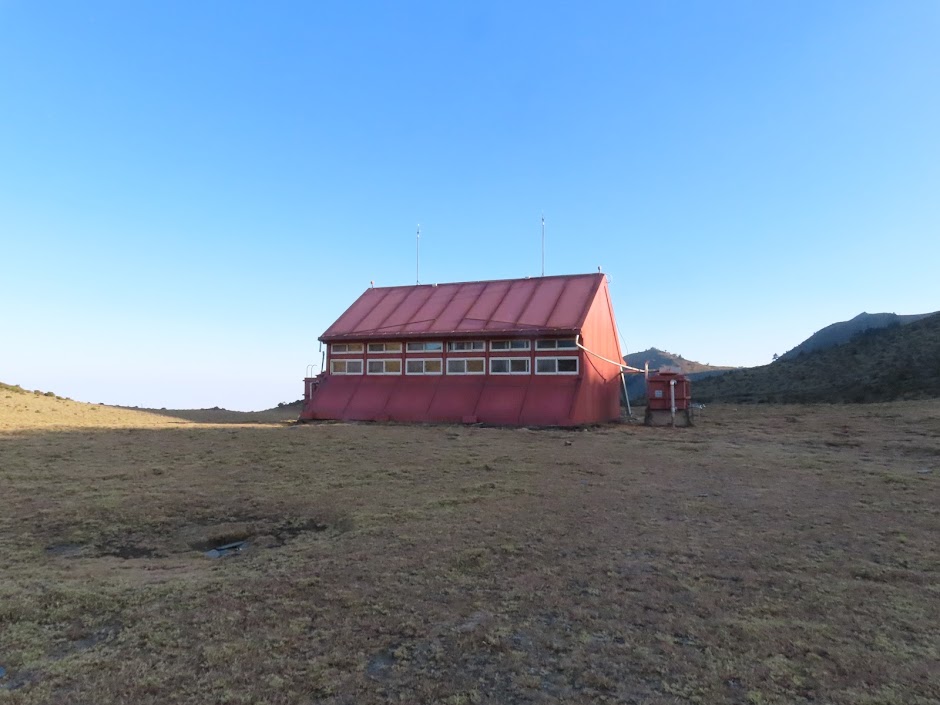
(489, 281)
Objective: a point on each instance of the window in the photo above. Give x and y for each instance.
(465, 345)
(346, 348)
(509, 365)
(384, 367)
(556, 344)
(384, 347)
(346, 367)
(509, 345)
(425, 347)
(423, 367)
(556, 365)
(466, 366)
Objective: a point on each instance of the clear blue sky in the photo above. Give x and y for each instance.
(191, 192)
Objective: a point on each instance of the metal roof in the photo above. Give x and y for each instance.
(536, 306)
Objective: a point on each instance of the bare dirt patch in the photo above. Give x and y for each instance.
(767, 555)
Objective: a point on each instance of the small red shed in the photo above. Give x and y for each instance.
(668, 399)
(530, 352)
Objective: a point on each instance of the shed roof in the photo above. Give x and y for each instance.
(537, 306)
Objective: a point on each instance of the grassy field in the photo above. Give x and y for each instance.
(770, 554)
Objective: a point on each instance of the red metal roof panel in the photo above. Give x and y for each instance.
(434, 306)
(455, 316)
(509, 311)
(508, 306)
(373, 311)
(574, 301)
(540, 307)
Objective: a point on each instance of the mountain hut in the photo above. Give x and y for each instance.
(520, 352)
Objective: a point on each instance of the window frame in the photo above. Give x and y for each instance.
(542, 344)
(424, 348)
(577, 364)
(465, 360)
(384, 362)
(334, 349)
(346, 361)
(510, 348)
(510, 360)
(385, 349)
(452, 343)
(424, 360)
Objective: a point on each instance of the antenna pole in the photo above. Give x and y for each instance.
(543, 244)
(418, 255)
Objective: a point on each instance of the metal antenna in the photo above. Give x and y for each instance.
(418, 256)
(543, 244)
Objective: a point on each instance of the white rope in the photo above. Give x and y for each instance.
(618, 364)
(601, 357)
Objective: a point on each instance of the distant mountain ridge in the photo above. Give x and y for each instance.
(636, 383)
(843, 331)
(661, 358)
(877, 364)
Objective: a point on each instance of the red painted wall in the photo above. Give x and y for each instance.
(599, 395)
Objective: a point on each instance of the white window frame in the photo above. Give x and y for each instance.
(464, 360)
(346, 362)
(528, 361)
(420, 346)
(384, 362)
(512, 345)
(553, 344)
(577, 365)
(476, 346)
(424, 360)
(346, 349)
(379, 348)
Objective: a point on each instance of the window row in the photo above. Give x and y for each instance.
(460, 366)
(455, 346)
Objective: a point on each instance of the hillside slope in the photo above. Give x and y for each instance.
(843, 331)
(636, 383)
(22, 410)
(660, 358)
(881, 364)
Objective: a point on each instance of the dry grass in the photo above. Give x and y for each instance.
(767, 555)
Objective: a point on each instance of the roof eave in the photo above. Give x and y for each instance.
(463, 335)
